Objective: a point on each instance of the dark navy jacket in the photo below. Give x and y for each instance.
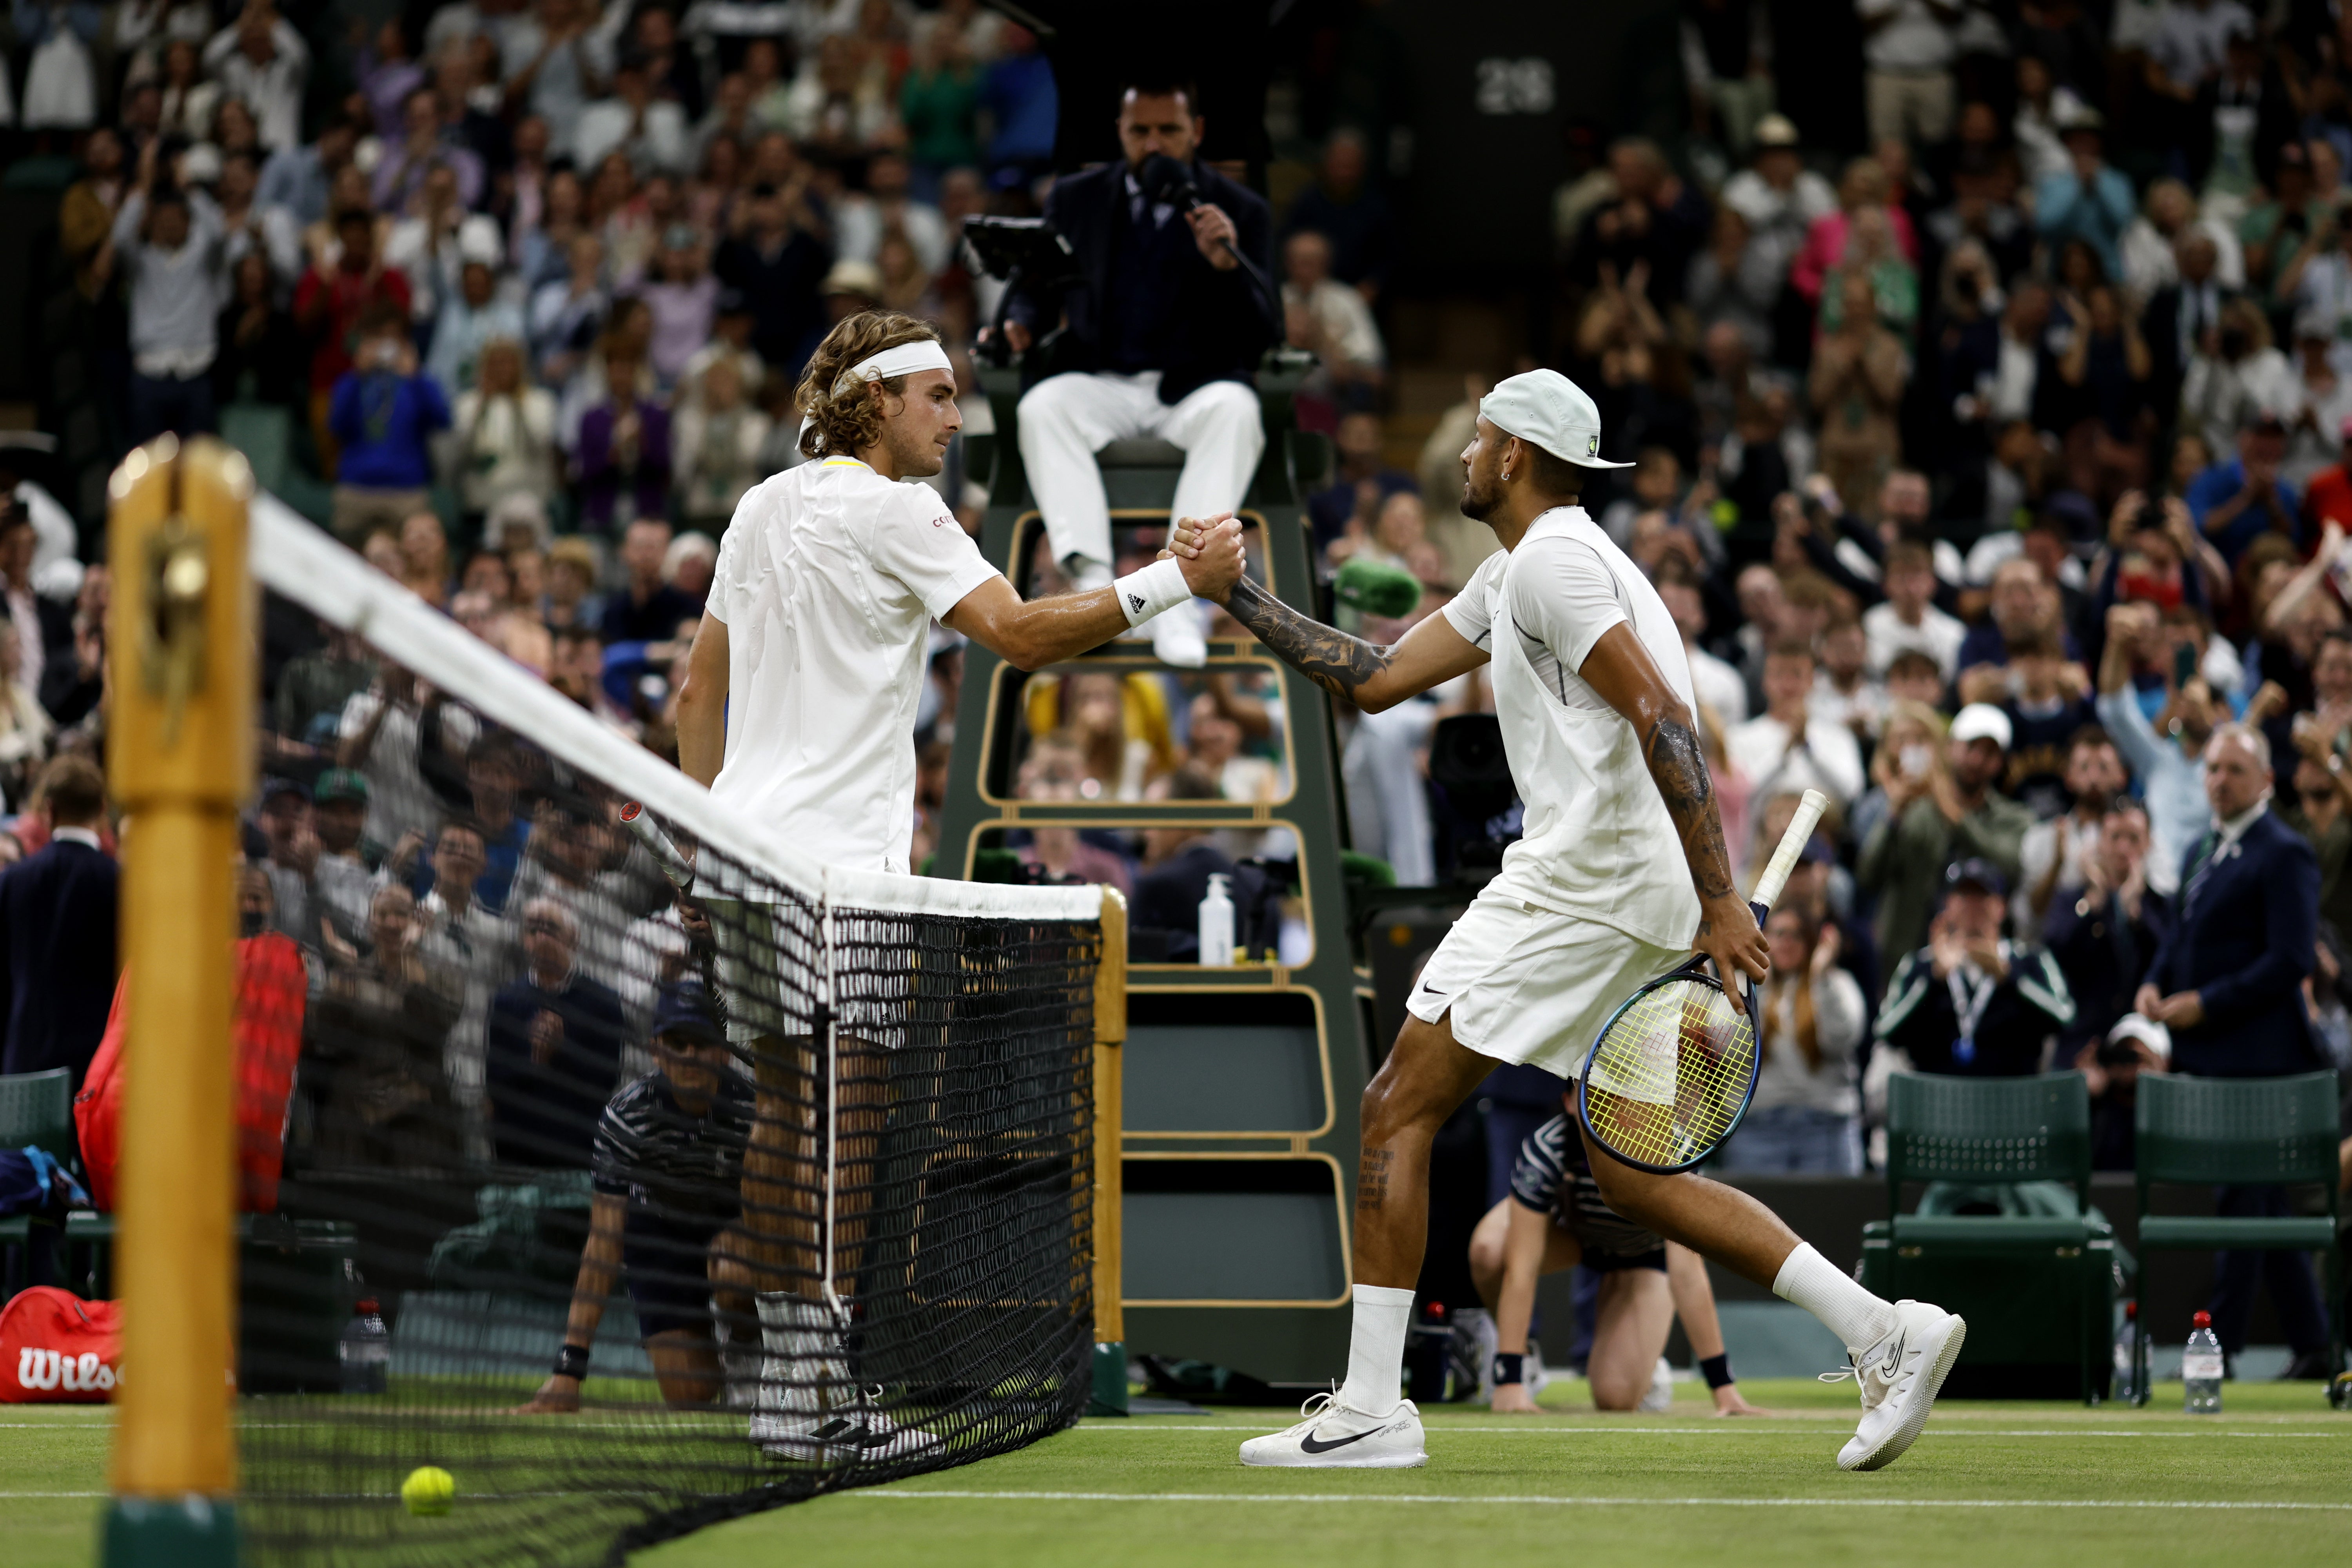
(2243, 942)
(57, 957)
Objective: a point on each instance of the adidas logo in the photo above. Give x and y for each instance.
(1137, 600)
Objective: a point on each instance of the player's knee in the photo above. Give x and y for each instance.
(1612, 1392)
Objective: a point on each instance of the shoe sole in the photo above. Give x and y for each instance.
(1383, 1462)
(1893, 1446)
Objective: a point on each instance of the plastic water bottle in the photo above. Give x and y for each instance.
(2125, 1386)
(1216, 923)
(2201, 1369)
(366, 1349)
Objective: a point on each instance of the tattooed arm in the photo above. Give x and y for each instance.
(1371, 678)
(1620, 670)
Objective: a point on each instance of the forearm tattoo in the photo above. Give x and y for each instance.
(1679, 767)
(1330, 658)
(1372, 1178)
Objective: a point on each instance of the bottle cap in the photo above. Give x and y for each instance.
(2203, 1320)
(2131, 1309)
(367, 1305)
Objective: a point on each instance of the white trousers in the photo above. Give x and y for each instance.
(1066, 420)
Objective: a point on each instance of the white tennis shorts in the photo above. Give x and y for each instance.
(1531, 986)
(776, 980)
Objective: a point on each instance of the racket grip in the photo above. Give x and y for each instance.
(1792, 844)
(675, 865)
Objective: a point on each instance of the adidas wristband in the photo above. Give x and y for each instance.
(572, 1362)
(1510, 1368)
(1158, 586)
(1716, 1370)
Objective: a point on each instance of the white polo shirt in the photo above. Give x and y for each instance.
(827, 582)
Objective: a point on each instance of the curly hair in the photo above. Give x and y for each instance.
(843, 418)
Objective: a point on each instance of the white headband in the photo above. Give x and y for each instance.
(906, 359)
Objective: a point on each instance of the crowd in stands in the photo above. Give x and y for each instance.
(2000, 478)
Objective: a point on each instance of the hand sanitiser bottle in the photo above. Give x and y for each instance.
(1216, 923)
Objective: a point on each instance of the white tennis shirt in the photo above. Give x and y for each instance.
(1598, 841)
(828, 580)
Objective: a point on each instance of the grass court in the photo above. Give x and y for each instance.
(1988, 1485)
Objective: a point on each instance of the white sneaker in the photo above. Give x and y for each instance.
(1473, 1350)
(1342, 1436)
(1661, 1396)
(1900, 1376)
(1176, 636)
(1537, 1379)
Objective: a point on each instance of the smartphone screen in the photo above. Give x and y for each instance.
(2184, 664)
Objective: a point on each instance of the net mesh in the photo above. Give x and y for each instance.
(1669, 1075)
(804, 1162)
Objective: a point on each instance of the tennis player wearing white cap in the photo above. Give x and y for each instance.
(1620, 874)
(799, 700)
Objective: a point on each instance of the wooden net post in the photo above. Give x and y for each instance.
(1110, 1032)
(180, 764)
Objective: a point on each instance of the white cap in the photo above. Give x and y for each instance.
(2146, 1031)
(1981, 721)
(477, 241)
(1545, 409)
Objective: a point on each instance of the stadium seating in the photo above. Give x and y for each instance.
(35, 1108)
(2205, 1131)
(2036, 1287)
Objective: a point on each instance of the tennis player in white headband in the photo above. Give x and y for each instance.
(798, 711)
(828, 583)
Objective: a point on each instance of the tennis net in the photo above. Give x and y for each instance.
(799, 1158)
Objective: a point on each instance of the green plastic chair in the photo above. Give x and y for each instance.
(35, 1108)
(2000, 1132)
(2242, 1132)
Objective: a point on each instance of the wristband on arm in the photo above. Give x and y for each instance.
(1158, 586)
(572, 1362)
(1716, 1370)
(1510, 1368)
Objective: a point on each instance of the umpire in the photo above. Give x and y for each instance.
(1165, 329)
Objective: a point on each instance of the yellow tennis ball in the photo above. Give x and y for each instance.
(427, 1490)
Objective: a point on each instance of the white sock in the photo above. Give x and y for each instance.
(1376, 1351)
(1085, 572)
(1857, 1318)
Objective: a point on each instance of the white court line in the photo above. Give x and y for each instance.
(1766, 1428)
(1287, 1498)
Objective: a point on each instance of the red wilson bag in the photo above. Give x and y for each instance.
(57, 1347)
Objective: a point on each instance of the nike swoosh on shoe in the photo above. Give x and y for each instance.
(1310, 1445)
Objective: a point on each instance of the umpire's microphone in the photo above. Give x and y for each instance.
(1166, 179)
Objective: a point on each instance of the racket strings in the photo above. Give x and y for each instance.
(1669, 1077)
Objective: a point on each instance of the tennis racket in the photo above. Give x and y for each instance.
(1674, 1067)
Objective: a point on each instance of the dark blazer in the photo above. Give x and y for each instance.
(546, 1114)
(57, 957)
(1225, 325)
(2159, 325)
(2104, 952)
(2244, 944)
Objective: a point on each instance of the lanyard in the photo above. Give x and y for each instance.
(1968, 1003)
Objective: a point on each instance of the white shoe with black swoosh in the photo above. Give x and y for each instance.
(1900, 1376)
(1344, 1437)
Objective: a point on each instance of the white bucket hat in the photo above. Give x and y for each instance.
(1545, 409)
